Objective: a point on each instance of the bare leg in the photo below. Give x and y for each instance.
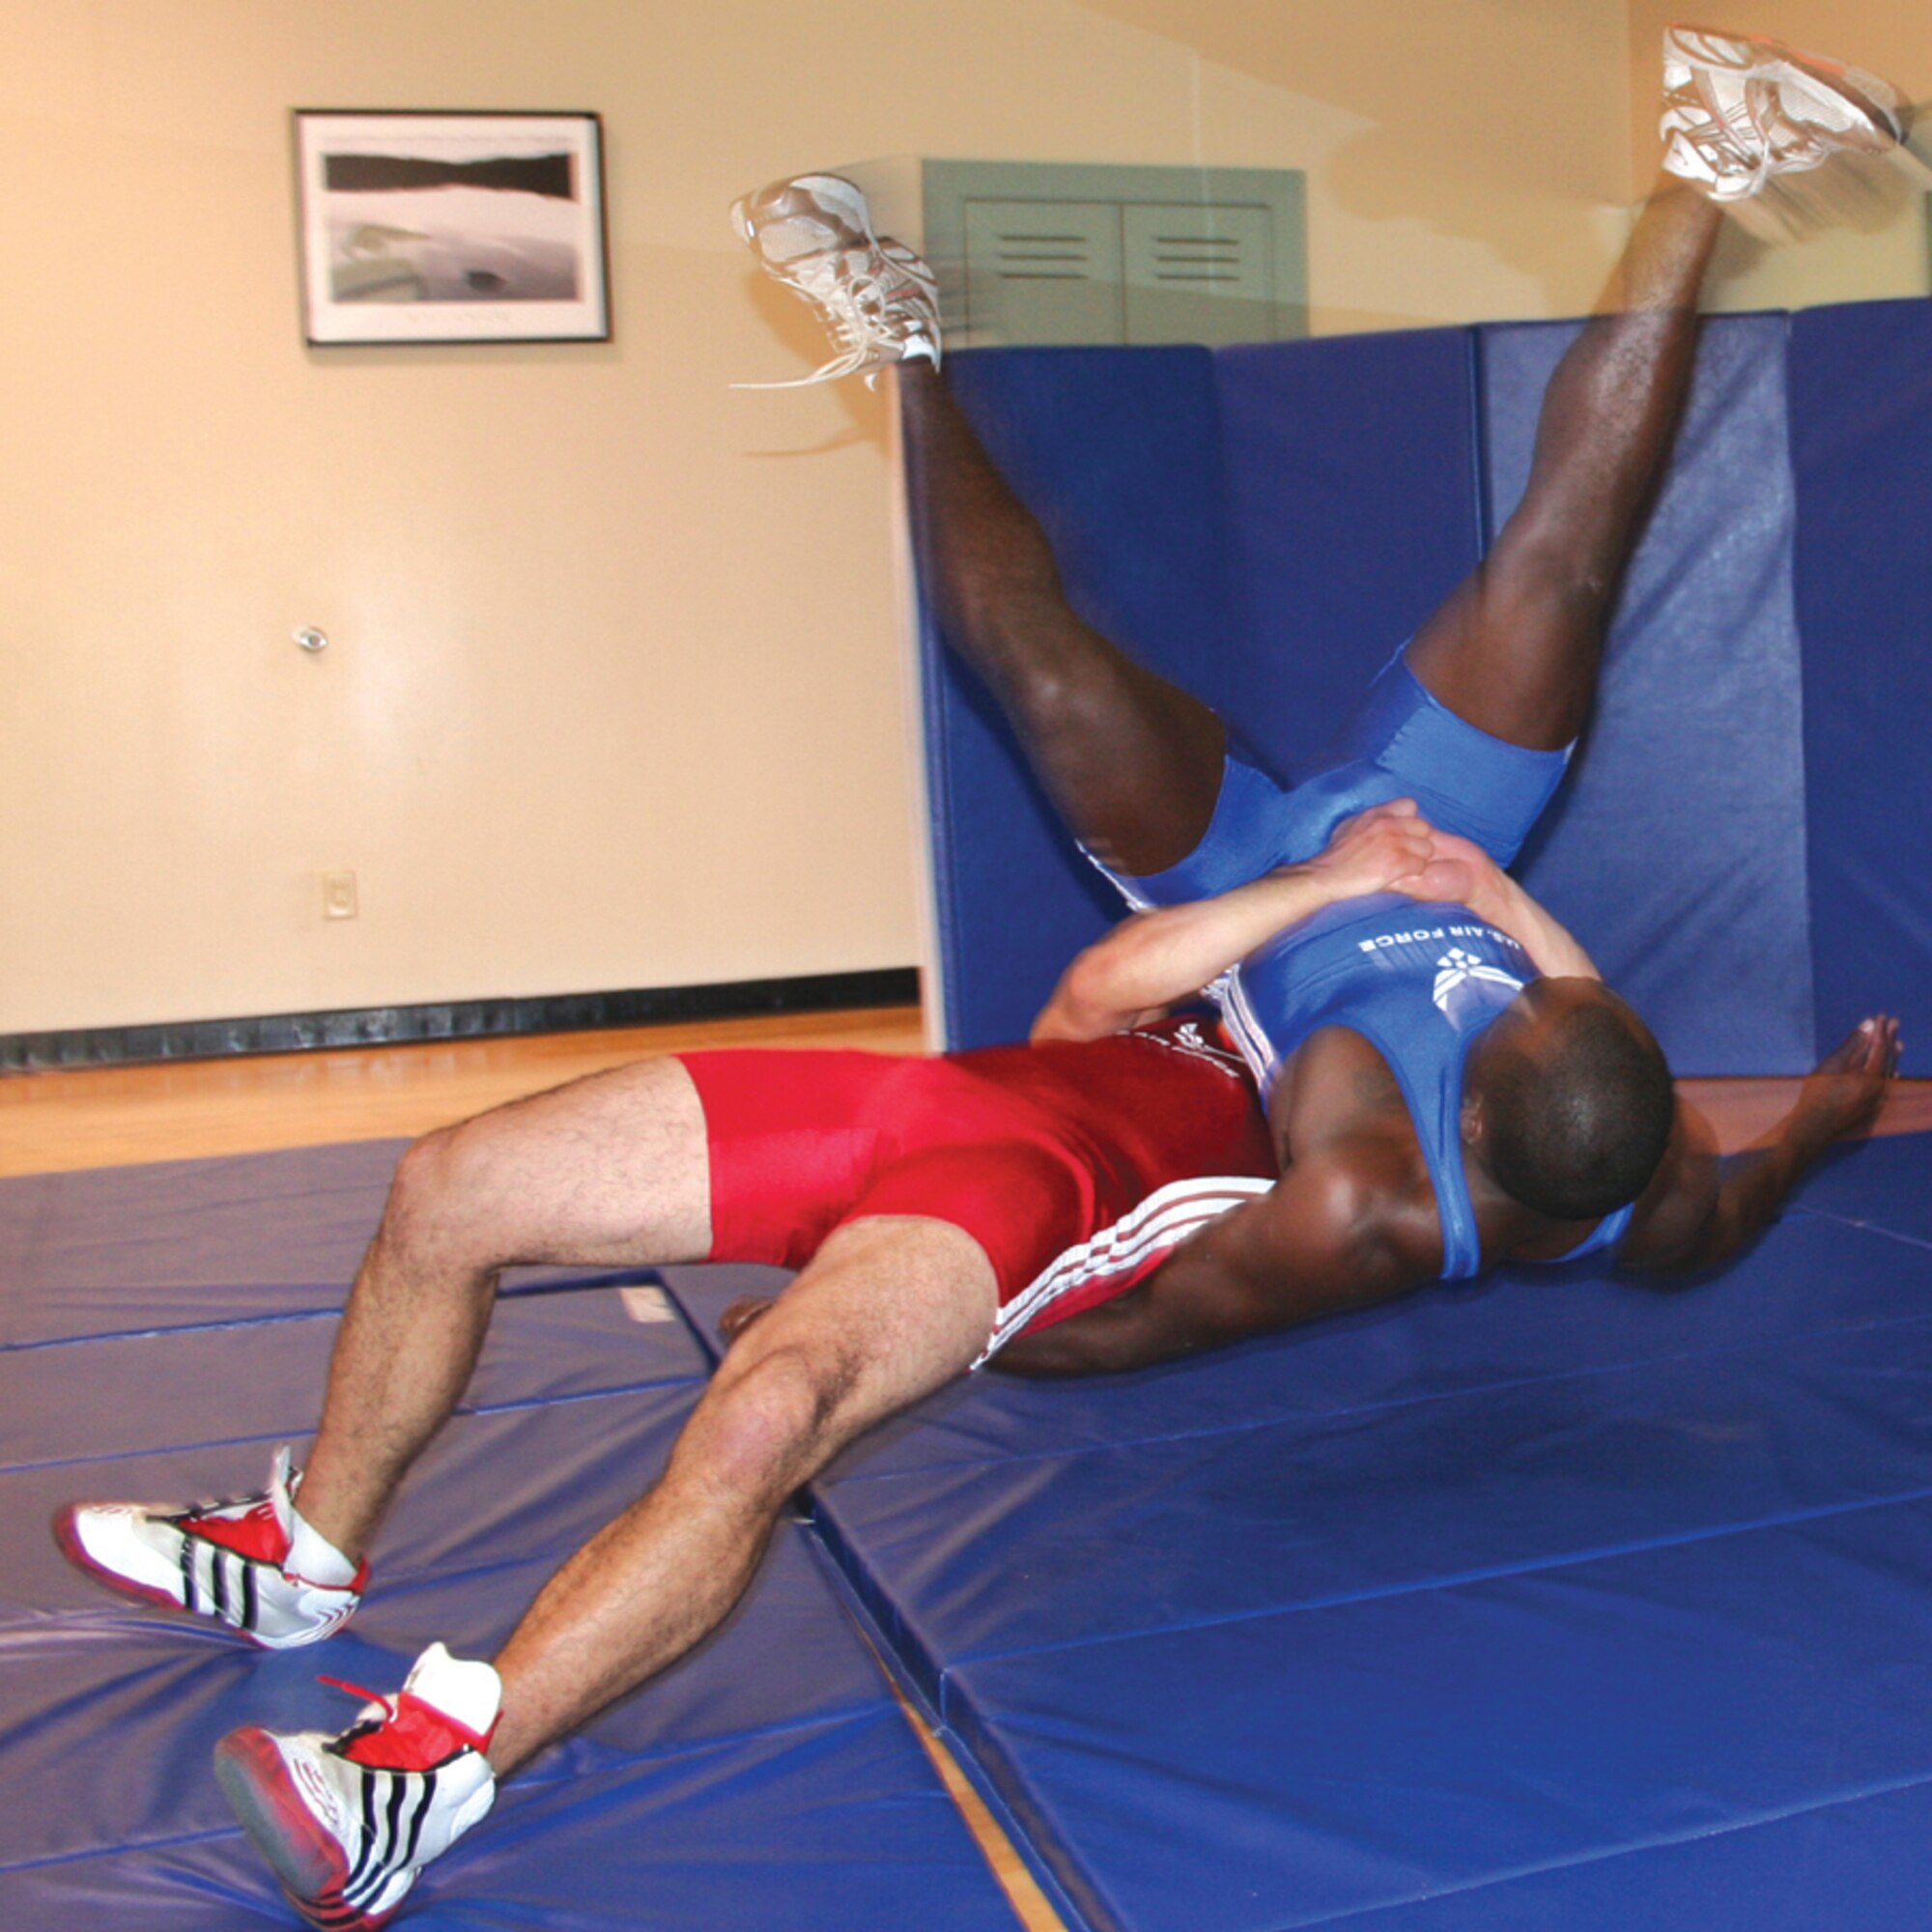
(514, 1185)
(1516, 648)
(1132, 763)
(889, 1310)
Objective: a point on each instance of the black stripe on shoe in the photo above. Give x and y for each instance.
(421, 1812)
(368, 1865)
(392, 1822)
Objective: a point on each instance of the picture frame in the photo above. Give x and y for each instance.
(441, 226)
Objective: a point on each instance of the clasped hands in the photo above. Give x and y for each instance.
(1392, 848)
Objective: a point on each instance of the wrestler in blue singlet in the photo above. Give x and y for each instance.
(1420, 982)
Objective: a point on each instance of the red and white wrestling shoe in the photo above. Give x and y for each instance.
(1739, 113)
(240, 1563)
(879, 300)
(348, 1822)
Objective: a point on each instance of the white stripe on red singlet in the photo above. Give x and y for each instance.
(1130, 1247)
(1228, 992)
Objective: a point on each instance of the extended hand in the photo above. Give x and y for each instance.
(1843, 1096)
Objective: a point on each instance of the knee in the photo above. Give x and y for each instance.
(1548, 567)
(1065, 698)
(441, 1198)
(765, 1430)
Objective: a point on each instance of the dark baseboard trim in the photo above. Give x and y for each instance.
(460, 1019)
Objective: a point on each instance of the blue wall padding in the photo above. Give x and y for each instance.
(1678, 850)
(768, 1778)
(1862, 413)
(1760, 705)
(1352, 514)
(1118, 452)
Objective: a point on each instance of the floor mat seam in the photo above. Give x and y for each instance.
(1489, 1574)
(1316, 1418)
(1656, 1844)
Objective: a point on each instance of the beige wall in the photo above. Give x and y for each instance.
(613, 693)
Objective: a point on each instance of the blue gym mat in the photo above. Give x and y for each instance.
(1515, 1595)
(183, 1244)
(769, 1778)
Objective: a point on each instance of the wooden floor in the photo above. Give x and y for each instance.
(115, 1116)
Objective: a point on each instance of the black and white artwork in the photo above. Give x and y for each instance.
(445, 227)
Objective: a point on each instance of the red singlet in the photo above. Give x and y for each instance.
(1076, 1167)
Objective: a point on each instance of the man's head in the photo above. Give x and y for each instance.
(1572, 1101)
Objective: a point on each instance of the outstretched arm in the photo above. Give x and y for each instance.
(1153, 959)
(1701, 1210)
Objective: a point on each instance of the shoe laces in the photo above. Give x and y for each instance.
(410, 1733)
(256, 1533)
(1742, 144)
(1734, 112)
(859, 292)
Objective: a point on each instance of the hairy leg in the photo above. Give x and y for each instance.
(1132, 763)
(1516, 648)
(889, 1310)
(607, 1171)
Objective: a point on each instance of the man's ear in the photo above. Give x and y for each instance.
(1473, 1123)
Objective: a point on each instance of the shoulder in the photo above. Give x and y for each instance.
(1343, 1215)
(1672, 1211)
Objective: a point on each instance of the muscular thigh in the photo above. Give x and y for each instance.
(1515, 649)
(608, 1171)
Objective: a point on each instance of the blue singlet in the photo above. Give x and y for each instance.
(1420, 982)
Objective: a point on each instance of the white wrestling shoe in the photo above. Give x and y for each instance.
(1739, 113)
(239, 1562)
(879, 300)
(348, 1822)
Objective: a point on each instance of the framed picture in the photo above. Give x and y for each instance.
(447, 227)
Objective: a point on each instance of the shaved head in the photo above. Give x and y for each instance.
(1577, 1101)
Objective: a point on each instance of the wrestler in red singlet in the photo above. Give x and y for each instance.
(1075, 1167)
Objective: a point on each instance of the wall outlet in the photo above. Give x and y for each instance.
(338, 896)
